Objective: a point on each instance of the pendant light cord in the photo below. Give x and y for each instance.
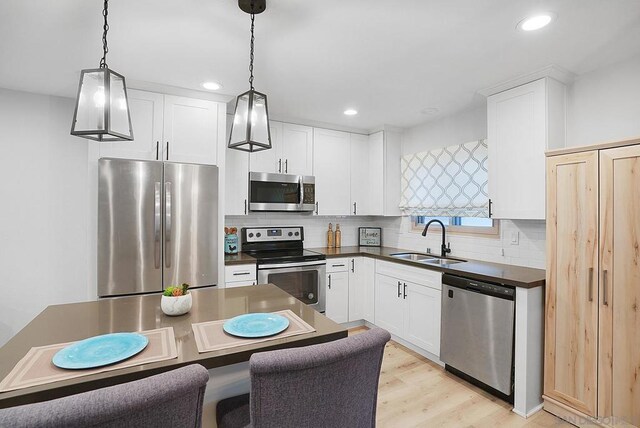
(105, 28)
(253, 17)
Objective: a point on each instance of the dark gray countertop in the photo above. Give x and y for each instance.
(238, 259)
(516, 276)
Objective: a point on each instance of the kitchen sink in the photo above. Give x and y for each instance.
(414, 257)
(426, 259)
(441, 261)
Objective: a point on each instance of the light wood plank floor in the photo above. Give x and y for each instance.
(415, 392)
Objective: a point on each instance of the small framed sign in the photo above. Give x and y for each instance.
(370, 236)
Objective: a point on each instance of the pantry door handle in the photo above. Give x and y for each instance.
(605, 275)
(399, 293)
(591, 284)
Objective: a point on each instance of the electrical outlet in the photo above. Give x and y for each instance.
(515, 238)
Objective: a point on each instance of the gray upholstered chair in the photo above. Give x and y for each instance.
(171, 399)
(333, 384)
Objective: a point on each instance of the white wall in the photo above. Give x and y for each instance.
(604, 105)
(43, 216)
(460, 128)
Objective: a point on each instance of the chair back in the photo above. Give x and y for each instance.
(171, 399)
(333, 384)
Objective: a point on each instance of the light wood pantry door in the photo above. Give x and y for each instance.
(571, 322)
(619, 378)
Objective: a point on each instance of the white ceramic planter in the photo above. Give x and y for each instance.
(174, 306)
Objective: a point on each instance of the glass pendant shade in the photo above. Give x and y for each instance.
(250, 130)
(102, 108)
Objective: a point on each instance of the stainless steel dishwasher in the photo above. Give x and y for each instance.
(477, 333)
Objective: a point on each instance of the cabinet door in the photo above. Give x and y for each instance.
(337, 305)
(619, 302)
(516, 142)
(191, 130)
(269, 160)
(146, 119)
(297, 149)
(236, 182)
(360, 182)
(331, 168)
(422, 316)
(361, 289)
(571, 321)
(389, 307)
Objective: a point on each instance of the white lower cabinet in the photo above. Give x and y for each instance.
(240, 275)
(408, 302)
(422, 320)
(337, 302)
(362, 274)
(389, 305)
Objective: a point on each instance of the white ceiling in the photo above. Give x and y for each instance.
(388, 59)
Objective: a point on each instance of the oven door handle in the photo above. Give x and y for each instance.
(292, 265)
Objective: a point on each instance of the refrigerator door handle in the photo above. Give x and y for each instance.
(167, 224)
(156, 225)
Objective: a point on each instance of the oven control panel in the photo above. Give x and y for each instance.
(271, 234)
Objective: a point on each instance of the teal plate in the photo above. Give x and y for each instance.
(100, 351)
(256, 325)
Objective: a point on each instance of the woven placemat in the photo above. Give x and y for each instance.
(211, 337)
(36, 367)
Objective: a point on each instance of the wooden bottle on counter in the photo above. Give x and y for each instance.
(338, 236)
(330, 238)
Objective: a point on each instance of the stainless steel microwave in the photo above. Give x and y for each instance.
(281, 192)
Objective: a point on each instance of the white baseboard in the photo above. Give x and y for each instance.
(530, 413)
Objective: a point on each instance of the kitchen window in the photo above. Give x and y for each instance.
(473, 225)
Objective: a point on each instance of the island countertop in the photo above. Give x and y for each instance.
(77, 321)
(516, 276)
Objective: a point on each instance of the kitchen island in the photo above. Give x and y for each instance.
(77, 321)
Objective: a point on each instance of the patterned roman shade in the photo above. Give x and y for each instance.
(447, 182)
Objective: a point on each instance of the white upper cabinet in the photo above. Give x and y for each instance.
(190, 130)
(236, 167)
(269, 160)
(361, 192)
(146, 110)
(297, 149)
(166, 127)
(291, 152)
(331, 167)
(523, 123)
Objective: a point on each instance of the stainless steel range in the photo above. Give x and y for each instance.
(282, 261)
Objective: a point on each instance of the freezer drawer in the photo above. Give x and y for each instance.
(478, 330)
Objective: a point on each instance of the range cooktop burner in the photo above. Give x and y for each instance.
(277, 245)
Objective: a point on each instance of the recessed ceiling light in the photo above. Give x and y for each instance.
(350, 112)
(212, 86)
(535, 22)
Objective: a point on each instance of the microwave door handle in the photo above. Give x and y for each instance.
(301, 184)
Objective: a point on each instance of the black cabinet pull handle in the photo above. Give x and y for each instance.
(157, 150)
(399, 293)
(490, 203)
(329, 282)
(405, 291)
(286, 166)
(279, 165)
(167, 150)
(353, 265)
(245, 207)
(317, 208)
(354, 208)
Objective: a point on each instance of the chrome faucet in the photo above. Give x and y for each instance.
(444, 249)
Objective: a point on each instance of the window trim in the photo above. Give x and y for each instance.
(492, 231)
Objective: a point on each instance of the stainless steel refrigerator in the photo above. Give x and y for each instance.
(157, 226)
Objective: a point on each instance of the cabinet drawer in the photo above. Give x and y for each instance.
(337, 265)
(240, 284)
(420, 276)
(240, 273)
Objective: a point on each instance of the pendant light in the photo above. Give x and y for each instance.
(102, 108)
(250, 130)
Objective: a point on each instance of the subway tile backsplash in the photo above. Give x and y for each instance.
(530, 250)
